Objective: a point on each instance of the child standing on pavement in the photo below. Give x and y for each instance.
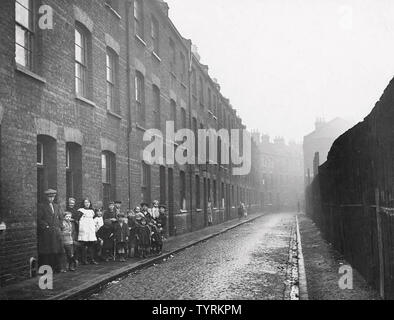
(87, 231)
(121, 234)
(144, 235)
(68, 231)
(98, 223)
(132, 231)
(106, 237)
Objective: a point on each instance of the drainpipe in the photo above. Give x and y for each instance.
(190, 126)
(129, 129)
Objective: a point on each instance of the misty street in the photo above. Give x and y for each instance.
(196, 150)
(248, 262)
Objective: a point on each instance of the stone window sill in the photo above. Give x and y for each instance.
(140, 40)
(198, 210)
(156, 56)
(140, 127)
(87, 101)
(113, 11)
(114, 114)
(29, 73)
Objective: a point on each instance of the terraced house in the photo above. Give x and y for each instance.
(76, 99)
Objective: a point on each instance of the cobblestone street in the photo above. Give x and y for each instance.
(248, 262)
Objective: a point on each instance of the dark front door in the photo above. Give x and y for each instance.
(171, 227)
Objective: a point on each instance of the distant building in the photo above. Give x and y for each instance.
(320, 141)
(282, 173)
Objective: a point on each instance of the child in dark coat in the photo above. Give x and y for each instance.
(132, 228)
(121, 234)
(143, 235)
(106, 235)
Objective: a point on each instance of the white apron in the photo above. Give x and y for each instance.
(87, 229)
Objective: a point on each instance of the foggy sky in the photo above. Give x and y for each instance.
(282, 63)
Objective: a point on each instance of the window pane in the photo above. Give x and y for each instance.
(25, 3)
(79, 86)
(78, 54)
(20, 36)
(78, 70)
(22, 14)
(136, 9)
(20, 56)
(67, 157)
(78, 38)
(110, 71)
(39, 153)
(104, 168)
(109, 96)
(137, 89)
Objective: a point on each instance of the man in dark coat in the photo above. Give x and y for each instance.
(49, 219)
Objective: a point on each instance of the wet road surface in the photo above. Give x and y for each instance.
(246, 263)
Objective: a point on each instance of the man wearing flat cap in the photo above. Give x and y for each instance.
(49, 218)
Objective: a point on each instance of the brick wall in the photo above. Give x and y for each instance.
(45, 104)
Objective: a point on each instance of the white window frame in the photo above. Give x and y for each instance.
(29, 33)
(41, 146)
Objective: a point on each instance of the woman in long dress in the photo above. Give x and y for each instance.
(87, 231)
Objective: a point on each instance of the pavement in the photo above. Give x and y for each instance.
(89, 279)
(248, 263)
(322, 269)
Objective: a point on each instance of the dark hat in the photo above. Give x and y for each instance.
(50, 192)
(111, 202)
(144, 204)
(118, 201)
(162, 206)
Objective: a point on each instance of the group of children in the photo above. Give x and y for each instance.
(93, 234)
